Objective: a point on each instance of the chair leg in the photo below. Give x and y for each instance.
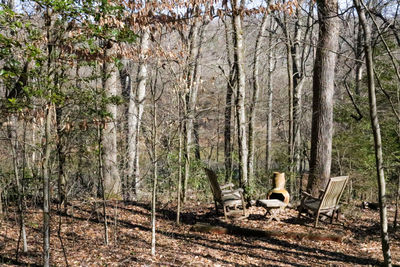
(316, 220)
(300, 211)
(226, 217)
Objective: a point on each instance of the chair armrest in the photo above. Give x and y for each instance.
(227, 192)
(308, 195)
(226, 186)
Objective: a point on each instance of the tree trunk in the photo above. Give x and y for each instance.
(270, 67)
(239, 58)
(323, 89)
(47, 149)
(377, 134)
(255, 96)
(179, 189)
(396, 214)
(192, 73)
(298, 81)
(46, 188)
(155, 177)
(135, 111)
(61, 158)
(228, 108)
(112, 182)
(101, 181)
(12, 132)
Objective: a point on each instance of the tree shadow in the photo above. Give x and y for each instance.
(8, 261)
(286, 248)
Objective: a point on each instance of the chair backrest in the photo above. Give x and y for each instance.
(333, 192)
(215, 188)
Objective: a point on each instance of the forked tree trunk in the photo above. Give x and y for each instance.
(241, 90)
(112, 182)
(191, 97)
(323, 89)
(377, 134)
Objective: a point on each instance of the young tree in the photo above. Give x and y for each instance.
(360, 6)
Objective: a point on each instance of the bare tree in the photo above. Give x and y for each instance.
(360, 6)
(135, 112)
(255, 95)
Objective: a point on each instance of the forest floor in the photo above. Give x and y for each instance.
(82, 235)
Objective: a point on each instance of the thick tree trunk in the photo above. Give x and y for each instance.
(377, 134)
(135, 111)
(323, 89)
(255, 96)
(239, 58)
(112, 182)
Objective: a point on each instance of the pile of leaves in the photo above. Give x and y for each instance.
(77, 238)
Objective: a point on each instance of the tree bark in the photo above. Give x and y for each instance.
(239, 57)
(323, 89)
(228, 107)
(270, 67)
(155, 176)
(112, 182)
(47, 148)
(255, 96)
(135, 112)
(377, 134)
(61, 158)
(192, 86)
(12, 132)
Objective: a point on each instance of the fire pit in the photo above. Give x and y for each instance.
(277, 198)
(279, 192)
